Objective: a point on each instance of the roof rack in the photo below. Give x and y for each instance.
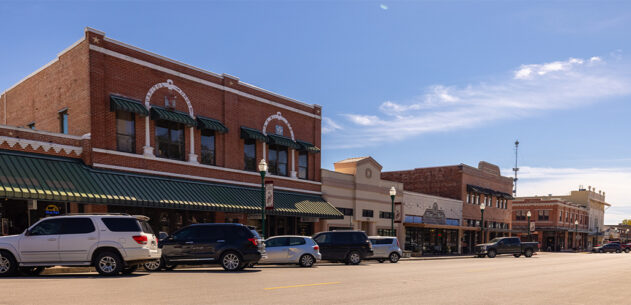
(78, 214)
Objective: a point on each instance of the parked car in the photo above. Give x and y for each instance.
(506, 245)
(347, 246)
(289, 249)
(611, 247)
(385, 248)
(111, 243)
(626, 247)
(231, 245)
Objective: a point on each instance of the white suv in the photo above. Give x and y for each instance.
(112, 243)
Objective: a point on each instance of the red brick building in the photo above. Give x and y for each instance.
(559, 224)
(473, 186)
(125, 112)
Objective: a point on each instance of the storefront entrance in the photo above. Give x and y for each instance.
(430, 241)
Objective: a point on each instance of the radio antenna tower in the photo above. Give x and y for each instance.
(515, 169)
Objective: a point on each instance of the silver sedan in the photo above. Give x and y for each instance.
(291, 249)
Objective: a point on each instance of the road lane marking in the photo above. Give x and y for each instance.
(303, 285)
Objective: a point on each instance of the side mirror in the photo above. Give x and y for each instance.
(163, 236)
(27, 232)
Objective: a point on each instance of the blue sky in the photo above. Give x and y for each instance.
(412, 84)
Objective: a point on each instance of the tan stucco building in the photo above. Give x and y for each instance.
(596, 205)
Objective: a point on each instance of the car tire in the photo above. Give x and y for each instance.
(517, 255)
(528, 253)
(231, 261)
(601, 251)
(8, 264)
(307, 261)
(353, 258)
(618, 251)
(381, 260)
(394, 257)
(32, 271)
(129, 270)
(626, 250)
(153, 266)
(491, 254)
(108, 263)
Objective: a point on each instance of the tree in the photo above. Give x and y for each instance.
(626, 222)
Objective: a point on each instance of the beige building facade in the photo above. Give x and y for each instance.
(595, 203)
(356, 189)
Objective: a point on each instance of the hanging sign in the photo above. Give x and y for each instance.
(398, 212)
(269, 195)
(51, 209)
(532, 227)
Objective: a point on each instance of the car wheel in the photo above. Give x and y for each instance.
(626, 250)
(517, 255)
(307, 260)
(354, 258)
(601, 251)
(231, 261)
(528, 253)
(8, 264)
(129, 270)
(108, 263)
(153, 266)
(381, 260)
(32, 271)
(491, 253)
(394, 257)
(618, 251)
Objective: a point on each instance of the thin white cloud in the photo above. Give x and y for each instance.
(560, 181)
(527, 91)
(383, 7)
(329, 126)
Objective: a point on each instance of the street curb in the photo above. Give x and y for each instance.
(438, 258)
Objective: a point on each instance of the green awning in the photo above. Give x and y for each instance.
(282, 141)
(211, 124)
(126, 104)
(42, 177)
(252, 134)
(306, 146)
(159, 113)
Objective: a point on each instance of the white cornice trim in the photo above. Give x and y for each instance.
(114, 152)
(46, 146)
(197, 79)
(41, 132)
(161, 173)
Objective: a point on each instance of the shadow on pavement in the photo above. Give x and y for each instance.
(74, 276)
(212, 271)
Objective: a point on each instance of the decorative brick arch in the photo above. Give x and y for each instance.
(169, 85)
(279, 117)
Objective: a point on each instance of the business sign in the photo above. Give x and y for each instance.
(51, 209)
(309, 219)
(269, 195)
(532, 227)
(398, 212)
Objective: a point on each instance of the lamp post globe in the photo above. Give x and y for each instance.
(576, 232)
(263, 171)
(482, 207)
(393, 193)
(529, 214)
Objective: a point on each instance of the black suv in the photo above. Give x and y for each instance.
(231, 245)
(347, 246)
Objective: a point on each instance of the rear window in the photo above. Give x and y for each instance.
(382, 241)
(146, 227)
(120, 224)
(296, 241)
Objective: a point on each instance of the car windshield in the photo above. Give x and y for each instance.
(494, 240)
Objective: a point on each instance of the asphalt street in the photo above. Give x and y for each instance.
(559, 278)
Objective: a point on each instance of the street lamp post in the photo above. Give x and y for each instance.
(627, 235)
(393, 192)
(529, 214)
(263, 171)
(576, 233)
(482, 207)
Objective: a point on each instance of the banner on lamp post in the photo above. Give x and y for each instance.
(269, 195)
(398, 212)
(532, 227)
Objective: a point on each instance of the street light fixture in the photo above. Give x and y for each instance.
(627, 235)
(393, 192)
(263, 171)
(482, 207)
(529, 214)
(576, 238)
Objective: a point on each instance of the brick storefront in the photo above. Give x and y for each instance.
(99, 84)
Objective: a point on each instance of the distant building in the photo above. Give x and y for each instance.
(472, 186)
(596, 205)
(554, 222)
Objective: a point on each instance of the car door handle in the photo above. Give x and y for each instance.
(52, 239)
(91, 238)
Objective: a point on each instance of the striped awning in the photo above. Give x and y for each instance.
(127, 104)
(252, 134)
(211, 124)
(42, 177)
(282, 141)
(306, 146)
(159, 113)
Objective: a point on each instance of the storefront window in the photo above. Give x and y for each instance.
(277, 164)
(303, 165)
(249, 155)
(208, 147)
(125, 132)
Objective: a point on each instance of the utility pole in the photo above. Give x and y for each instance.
(515, 169)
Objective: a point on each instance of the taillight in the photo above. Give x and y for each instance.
(397, 240)
(316, 247)
(253, 241)
(141, 239)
